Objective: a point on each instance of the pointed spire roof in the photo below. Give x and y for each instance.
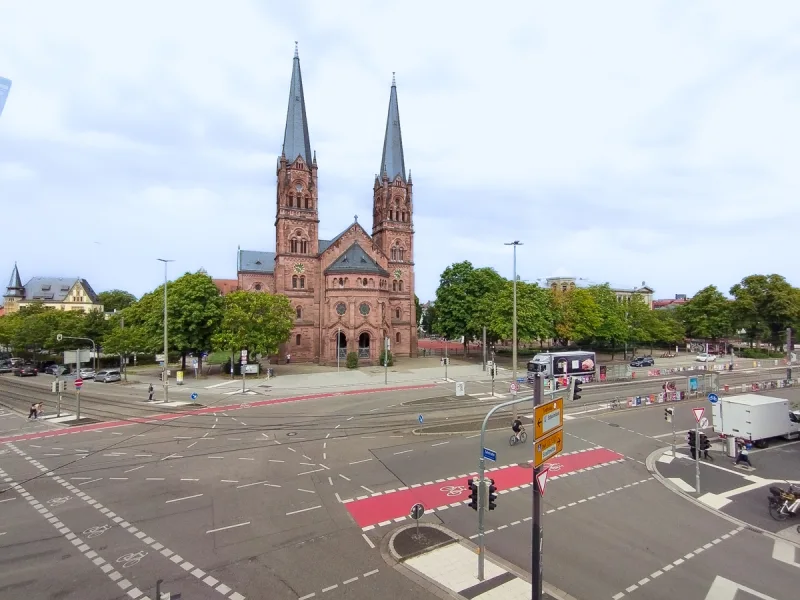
(392, 161)
(295, 139)
(15, 287)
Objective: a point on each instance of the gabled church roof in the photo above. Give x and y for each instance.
(356, 260)
(14, 287)
(295, 139)
(252, 261)
(392, 162)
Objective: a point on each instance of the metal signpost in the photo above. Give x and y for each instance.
(416, 513)
(242, 363)
(386, 346)
(698, 415)
(490, 454)
(78, 385)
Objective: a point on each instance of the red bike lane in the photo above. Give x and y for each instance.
(382, 508)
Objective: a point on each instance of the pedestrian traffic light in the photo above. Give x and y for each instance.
(691, 439)
(574, 389)
(492, 495)
(668, 412)
(473, 494)
(54, 387)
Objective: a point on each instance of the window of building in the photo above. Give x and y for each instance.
(391, 215)
(302, 282)
(341, 308)
(394, 286)
(341, 282)
(364, 309)
(291, 200)
(308, 202)
(293, 245)
(297, 340)
(294, 282)
(257, 287)
(400, 286)
(397, 337)
(299, 312)
(303, 247)
(563, 287)
(396, 313)
(372, 283)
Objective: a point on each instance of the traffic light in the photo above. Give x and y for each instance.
(705, 444)
(575, 389)
(668, 412)
(492, 495)
(473, 494)
(691, 439)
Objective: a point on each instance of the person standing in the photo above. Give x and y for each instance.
(33, 412)
(150, 393)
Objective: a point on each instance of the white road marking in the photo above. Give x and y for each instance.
(190, 445)
(369, 543)
(306, 457)
(680, 484)
(228, 527)
(172, 456)
(228, 481)
(182, 437)
(439, 444)
(360, 461)
(330, 480)
(403, 452)
(190, 480)
(153, 479)
(290, 448)
(324, 467)
(350, 418)
(240, 458)
(344, 477)
(276, 460)
(184, 498)
(217, 457)
(337, 427)
(306, 491)
(308, 472)
(327, 436)
(363, 487)
(324, 456)
(294, 512)
(90, 481)
(308, 464)
(8, 499)
(249, 484)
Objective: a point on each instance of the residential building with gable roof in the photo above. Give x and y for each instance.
(353, 291)
(61, 293)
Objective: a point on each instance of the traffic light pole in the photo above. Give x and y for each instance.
(536, 531)
(481, 473)
(697, 457)
(672, 420)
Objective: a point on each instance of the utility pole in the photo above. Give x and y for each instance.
(338, 341)
(697, 457)
(789, 348)
(166, 348)
(386, 360)
(484, 347)
(536, 531)
(515, 243)
(494, 370)
(446, 360)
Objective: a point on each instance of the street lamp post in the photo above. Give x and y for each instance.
(515, 243)
(164, 376)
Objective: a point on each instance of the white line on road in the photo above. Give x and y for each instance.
(272, 485)
(403, 452)
(154, 479)
(142, 455)
(276, 460)
(439, 444)
(135, 468)
(306, 457)
(471, 436)
(350, 418)
(363, 487)
(229, 481)
(344, 477)
(190, 445)
(294, 512)
(265, 435)
(190, 480)
(184, 498)
(327, 435)
(338, 497)
(369, 541)
(337, 427)
(324, 456)
(90, 481)
(228, 527)
(217, 457)
(292, 449)
(240, 458)
(80, 478)
(308, 472)
(8, 499)
(308, 464)
(172, 456)
(330, 480)
(306, 491)
(324, 467)
(206, 434)
(249, 484)
(182, 437)
(118, 478)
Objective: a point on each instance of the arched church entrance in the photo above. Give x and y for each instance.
(341, 345)
(363, 345)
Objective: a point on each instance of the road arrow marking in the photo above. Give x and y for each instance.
(784, 552)
(725, 589)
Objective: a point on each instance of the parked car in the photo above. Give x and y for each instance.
(108, 376)
(705, 357)
(86, 373)
(53, 369)
(26, 371)
(643, 361)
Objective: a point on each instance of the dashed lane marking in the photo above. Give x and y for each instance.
(336, 585)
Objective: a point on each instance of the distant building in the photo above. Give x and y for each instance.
(670, 303)
(562, 284)
(226, 286)
(61, 293)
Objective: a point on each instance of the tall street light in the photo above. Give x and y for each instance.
(166, 355)
(515, 243)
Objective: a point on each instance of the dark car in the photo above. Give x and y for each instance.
(26, 371)
(643, 361)
(53, 369)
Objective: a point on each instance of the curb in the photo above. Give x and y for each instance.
(650, 463)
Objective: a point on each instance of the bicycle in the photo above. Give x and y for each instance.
(514, 440)
(132, 558)
(614, 404)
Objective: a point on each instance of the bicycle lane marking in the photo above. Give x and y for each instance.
(134, 558)
(382, 508)
(201, 411)
(115, 576)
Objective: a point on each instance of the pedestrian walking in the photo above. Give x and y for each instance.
(33, 412)
(150, 393)
(743, 455)
(288, 358)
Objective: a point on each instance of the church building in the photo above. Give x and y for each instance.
(354, 291)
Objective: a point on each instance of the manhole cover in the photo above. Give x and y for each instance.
(291, 433)
(613, 425)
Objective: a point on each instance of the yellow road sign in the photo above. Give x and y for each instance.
(548, 447)
(547, 417)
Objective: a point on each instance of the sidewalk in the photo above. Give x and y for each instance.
(449, 569)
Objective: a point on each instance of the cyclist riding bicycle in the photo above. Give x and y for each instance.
(517, 428)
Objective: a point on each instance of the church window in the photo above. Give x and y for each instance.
(341, 308)
(299, 312)
(396, 313)
(294, 282)
(400, 285)
(308, 203)
(372, 283)
(394, 286)
(341, 282)
(291, 200)
(297, 340)
(293, 245)
(563, 287)
(303, 282)
(391, 215)
(303, 247)
(257, 287)
(397, 337)
(364, 282)
(364, 309)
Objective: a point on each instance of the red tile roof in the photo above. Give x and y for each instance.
(668, 302)
(226, 286)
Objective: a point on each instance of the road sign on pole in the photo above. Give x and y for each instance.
(548, 447)
(713, 398)
(514, 388)
(420, 419)
(541, 479)
(244, 357)
(698, 413)
(193, 396)
(78, 382)
(548, 417)
(416, 513)
(490, 454)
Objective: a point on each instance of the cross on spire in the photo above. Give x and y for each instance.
(356, 218)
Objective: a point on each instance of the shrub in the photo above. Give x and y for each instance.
(389, 356)
(352, 360)
(759, 353)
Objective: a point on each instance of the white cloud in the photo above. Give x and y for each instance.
(621, 141)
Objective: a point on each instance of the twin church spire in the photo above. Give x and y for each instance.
(296, 141)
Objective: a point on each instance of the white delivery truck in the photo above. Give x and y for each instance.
(755, 418)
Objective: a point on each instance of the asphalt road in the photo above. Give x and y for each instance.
(288, 499)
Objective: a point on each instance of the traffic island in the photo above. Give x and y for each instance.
(411, 541)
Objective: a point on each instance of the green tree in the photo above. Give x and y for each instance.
(496, 311)
(254, 321)
(707, 315)
(429, 318)
(613, 329)
(665, 327)
(116, 300)
(124, 341)
(638, 318)
(94, 326)
(765, 305)
(576, 315)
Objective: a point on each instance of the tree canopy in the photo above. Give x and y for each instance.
(254, 321)
(114, 300)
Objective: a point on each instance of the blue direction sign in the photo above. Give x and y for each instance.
(490, 454)
(521, 379)
(420, 419)
(713, 398)
(193, 396)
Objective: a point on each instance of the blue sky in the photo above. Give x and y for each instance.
(620, 141)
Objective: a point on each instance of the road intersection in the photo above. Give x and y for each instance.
(295, 498)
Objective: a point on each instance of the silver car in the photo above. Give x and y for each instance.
(108, 375)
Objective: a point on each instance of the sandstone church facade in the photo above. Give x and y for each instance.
(352, 292)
